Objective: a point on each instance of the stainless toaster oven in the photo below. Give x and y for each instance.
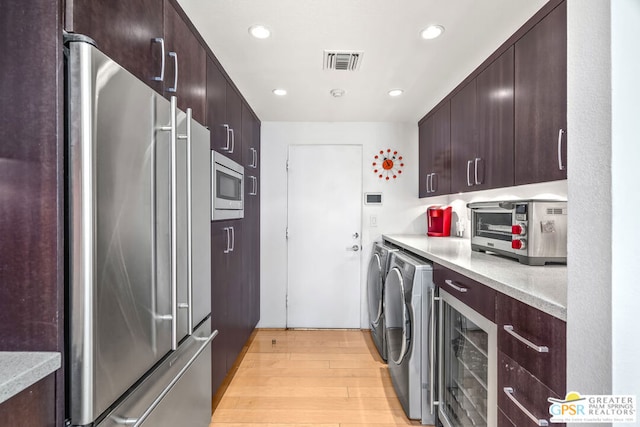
(532, 231)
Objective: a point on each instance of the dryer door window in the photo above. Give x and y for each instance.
(374, 287)
(398, 327)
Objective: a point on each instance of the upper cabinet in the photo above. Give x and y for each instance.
(160, 48)
(224, 113)
(435, 153)
(541, 100)
(137, 47)
(482, 129)
(185, 75)
(508, 119)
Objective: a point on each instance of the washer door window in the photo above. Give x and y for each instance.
(397, 319)
(374, 287)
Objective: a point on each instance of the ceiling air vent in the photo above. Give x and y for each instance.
(342, 60)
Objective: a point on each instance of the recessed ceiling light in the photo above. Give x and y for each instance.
(259, 31)
(279, 92)
(396, 92)
(432, 31)
(336, 93)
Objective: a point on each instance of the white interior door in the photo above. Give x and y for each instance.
(324, 228)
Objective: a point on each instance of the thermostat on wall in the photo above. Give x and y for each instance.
(372, 198)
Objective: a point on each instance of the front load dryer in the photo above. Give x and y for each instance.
(409, 321)
(378, 268)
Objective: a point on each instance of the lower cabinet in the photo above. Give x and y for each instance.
(34, 406)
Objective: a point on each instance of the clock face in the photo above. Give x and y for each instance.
(387, 165)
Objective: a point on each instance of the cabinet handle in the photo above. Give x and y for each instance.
(427, 183)
(175, 76)
(228, 144)
(560, 165)
(434, 188)
(538, 348)
(228, 230)
(254, 185)
(233, 239)
(254, 158)
(233, 140)
(161, 76)
(454, 286)
(469, 183)
(539, 422)
(476, 171)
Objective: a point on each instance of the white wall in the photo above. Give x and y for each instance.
(401, 212)
(625, 208)
(604, 153)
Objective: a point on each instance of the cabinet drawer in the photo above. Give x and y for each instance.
(540, 329)
(474, 294)
(526, 389)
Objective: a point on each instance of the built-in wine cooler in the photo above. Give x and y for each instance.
(467, 366)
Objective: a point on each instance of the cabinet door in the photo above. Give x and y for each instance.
(234, 119)
(186, 64)
(435, 152)
(251, 230)
(540, 329)
(464, 138)
(236, 292)
(221, 267)
(541, 100)
(217, 107)
(34, 406)
(493, 163)
(109, 24)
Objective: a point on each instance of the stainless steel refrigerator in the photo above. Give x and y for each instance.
(139, 295)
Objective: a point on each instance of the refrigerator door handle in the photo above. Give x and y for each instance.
(138, 422)
(432, 347)
(174, 226)
(189, 304)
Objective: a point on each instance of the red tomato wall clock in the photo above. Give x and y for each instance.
(387, 165)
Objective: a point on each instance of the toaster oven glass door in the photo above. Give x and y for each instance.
(493, 225)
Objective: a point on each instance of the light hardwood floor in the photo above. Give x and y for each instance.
(318, 378)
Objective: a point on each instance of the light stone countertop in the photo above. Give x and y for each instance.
(19, 370)
(542, 287)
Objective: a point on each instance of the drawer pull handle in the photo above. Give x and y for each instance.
(539, 422)
(538, 348)
(454, 286)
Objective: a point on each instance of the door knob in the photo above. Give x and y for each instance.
(354, 248)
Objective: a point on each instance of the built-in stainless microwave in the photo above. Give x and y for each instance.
(227, 188)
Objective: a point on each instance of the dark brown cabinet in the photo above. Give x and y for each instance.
(224, 113)
(482, 129)
(493, 163)
(541, 100)
(34, 406)
(435, 153)
(185, 75)
(226, 296)
(129, 32)
(251, 163)
(479, 297)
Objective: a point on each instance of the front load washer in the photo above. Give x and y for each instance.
(409, 326)
(378, 268)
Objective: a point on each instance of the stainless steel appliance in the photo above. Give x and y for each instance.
(139, 297)
(227, 186)
(467, 365)
(532, 231)
(409, 320)
(376, 275)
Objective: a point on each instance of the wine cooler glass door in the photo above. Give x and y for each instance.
(468, 368)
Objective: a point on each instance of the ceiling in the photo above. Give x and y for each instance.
(387, 31)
